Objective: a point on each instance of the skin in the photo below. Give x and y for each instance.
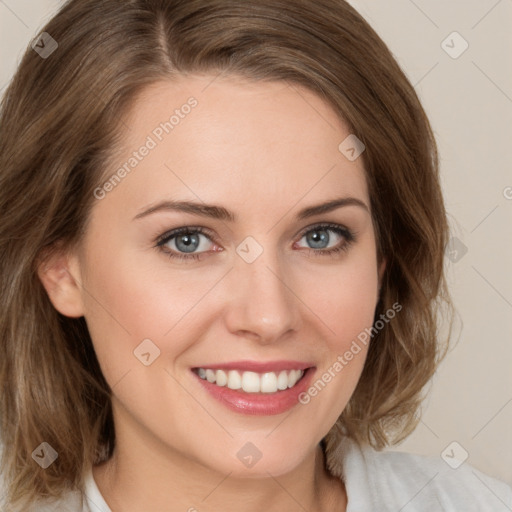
(264, 151)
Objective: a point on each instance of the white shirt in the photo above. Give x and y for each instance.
(376, 481)
(390, 481)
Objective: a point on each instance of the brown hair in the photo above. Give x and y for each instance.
(59, 124)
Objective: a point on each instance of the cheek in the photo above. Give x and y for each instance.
(345, 301)
(129, 300)
(354, 308)
(344, 297)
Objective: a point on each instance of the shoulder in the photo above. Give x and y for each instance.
(394, 480)
(427, 482)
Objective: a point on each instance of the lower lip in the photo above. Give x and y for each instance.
(261, 404)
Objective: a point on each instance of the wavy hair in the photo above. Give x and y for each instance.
(60, 124)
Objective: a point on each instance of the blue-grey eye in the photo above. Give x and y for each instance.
(187, 242)
(319, 238)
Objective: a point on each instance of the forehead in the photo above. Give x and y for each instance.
(228, 138)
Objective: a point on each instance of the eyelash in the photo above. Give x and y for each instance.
(348, 235)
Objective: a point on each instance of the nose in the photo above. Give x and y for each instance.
(262, 303)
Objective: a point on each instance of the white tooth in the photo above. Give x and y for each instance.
(251, 382)
(234, 380)
(269, 383)
(293, 377)
(282, 380)
(221, 379)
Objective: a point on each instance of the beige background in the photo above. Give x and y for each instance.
(469, 102)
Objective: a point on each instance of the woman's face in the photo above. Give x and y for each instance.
(269, 279)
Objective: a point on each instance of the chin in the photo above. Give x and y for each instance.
(250, 461)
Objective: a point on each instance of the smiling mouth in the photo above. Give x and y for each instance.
(252, 382)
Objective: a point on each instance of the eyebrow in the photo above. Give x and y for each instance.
(221, 213)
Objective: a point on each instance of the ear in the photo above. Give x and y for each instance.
(59, 273)
(382, 268)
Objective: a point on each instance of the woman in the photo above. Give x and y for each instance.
(222, 238)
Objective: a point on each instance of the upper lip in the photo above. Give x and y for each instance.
(259, 366)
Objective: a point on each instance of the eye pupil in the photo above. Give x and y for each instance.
(319, 238)
(187, 243)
